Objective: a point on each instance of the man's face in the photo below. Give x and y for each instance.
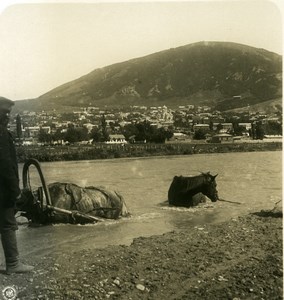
(5, 115)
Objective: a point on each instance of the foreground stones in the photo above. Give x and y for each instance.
(240, 259)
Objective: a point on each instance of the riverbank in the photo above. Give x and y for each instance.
(238, 259)
(109, 151)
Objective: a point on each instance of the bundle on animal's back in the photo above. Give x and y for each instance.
(95, 201)
(70, 203)
(189, 191)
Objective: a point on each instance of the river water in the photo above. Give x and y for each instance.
(254, 179)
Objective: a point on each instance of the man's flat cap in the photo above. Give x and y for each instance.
(6, 103)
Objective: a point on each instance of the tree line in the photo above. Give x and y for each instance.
(140, 132)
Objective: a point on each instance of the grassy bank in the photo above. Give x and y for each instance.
(104, 151)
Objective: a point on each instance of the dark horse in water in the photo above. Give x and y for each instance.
(183, 189)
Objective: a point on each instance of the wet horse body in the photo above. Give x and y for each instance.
(183, 189)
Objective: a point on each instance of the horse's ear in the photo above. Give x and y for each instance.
(212, 177)
(205, 174)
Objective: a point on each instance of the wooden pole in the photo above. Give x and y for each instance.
(229, 201)
(70, 212)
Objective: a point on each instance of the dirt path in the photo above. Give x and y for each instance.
(239, 259)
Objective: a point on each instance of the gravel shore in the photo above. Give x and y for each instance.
(239, 259)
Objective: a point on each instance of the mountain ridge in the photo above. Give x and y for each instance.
(203, 73)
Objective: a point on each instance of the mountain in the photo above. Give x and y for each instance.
(218, 74)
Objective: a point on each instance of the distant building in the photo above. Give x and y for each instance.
(116, 139)
(221, 138)
(32, 131)
(46, 129)
(179, 136)
(247, 126)
(224, 127)
(90, 126)
(272, 137)
(227, 126)
(124, 123)
(204, 127)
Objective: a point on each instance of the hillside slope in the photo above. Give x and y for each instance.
(204, 73)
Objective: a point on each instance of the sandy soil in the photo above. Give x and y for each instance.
(239, 259)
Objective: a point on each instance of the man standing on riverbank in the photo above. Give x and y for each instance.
(9, 193)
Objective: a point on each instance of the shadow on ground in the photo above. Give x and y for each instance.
(269, 213)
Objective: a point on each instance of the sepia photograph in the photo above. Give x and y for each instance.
(141, 150)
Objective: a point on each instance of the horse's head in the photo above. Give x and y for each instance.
(209, 188)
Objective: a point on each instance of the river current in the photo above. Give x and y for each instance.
(254, 179)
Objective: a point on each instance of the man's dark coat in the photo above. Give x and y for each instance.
(9, 176)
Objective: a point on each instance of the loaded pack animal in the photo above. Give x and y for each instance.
(67, 202)
(183, 189)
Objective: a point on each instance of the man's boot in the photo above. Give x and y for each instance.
(13, 264)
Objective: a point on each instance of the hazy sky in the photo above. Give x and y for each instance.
(44, 44)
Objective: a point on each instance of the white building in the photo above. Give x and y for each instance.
(116, 139)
